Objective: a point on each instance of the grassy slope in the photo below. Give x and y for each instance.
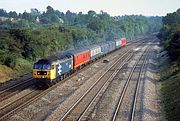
(171, 93)
(22, 67)
(6, 73)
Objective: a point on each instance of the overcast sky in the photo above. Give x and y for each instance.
(113, 7)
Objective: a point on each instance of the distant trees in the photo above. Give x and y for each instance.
(50, 16)
(101, 23)
(35, 34)
(3, 13)
(13, 14)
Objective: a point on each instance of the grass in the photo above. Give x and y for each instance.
(6, 73)
(22, 67)
(171, 93)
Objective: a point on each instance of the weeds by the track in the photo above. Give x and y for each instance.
(171, 92)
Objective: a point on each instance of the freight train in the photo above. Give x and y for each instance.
(51, 69)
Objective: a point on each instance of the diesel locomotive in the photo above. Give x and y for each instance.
(51, 69)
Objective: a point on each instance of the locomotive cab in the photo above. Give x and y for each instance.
(52, 69)
(43, 71)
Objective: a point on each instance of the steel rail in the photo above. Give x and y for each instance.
(132, 113)
(79, 100)
(125, 88)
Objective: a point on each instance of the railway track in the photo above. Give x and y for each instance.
(15, 89)
(78, 110)
(132, 108)
(17, 105)
(15, 82)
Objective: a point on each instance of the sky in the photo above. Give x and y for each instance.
(112, 7)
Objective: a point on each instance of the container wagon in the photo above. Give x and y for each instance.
(118, 43)
(104, 48)
(80, 57)
(123, 41)
(112, 45)
(95, 52)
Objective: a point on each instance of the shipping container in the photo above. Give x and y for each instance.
(118, 43)
(112, 45)
(80, 56)
(104, 48)
(95, 51)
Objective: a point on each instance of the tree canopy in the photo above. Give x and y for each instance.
(36, 34)
(170, 34)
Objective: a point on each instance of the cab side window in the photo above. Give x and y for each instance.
(52, 67)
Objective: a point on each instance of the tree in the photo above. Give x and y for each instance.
(96, 25)
(29, 17)
(35, 12)
(10, 61)
(50, 10)
(170, 35)
(23, 23)
(91, 13)
(3, 13)
(174, 43)
(13, 14)
(69, 18)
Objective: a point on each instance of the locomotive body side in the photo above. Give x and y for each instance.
(63, 66)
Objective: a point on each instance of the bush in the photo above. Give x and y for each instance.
(170, 91)
(10, 61)
(2, 56)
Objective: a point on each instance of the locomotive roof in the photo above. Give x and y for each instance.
(79, 50)
(57, 56)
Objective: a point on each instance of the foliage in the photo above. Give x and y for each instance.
(22, 66)
(102, 23)
(170, 35)
(33, 35)
(170, 89)
(6, 73)
(10, 61)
